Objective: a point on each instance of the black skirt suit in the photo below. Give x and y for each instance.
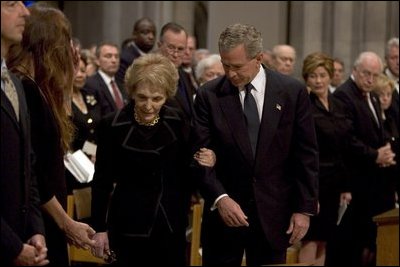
(333, 130)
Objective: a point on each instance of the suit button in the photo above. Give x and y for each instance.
(24, 210)
(254, 179)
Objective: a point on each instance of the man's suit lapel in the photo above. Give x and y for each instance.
(8, 108)
(233, 112)
(272, 111)
(105, 90)
(186, 104)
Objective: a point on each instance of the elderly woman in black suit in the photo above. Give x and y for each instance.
(144, 155)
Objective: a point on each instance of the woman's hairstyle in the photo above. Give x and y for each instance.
(382, 82)
(206, 63)
(46, 55)
(315, 60)
(154, 70)
(238, 34)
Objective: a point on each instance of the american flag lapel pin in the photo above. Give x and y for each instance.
(278, 107)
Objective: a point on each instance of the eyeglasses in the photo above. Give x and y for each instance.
(368, 74)
(171, 49)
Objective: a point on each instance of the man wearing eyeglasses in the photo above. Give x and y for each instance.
(371, 190)
(172, 44)
(264, 186)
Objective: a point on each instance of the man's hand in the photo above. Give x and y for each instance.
(33, 253)
(231, 213)
(298, 227)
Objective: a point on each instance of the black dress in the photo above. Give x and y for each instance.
(333, 132)
(85, 130)
(49, 167)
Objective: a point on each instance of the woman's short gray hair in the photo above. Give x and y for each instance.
(206, 63)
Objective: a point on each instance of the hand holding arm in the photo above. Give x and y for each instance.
(205, 157)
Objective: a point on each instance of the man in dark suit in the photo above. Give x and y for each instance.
(264, 186)
(371, 193)
(172, 44)
(392, 71)
(143, 40)
(22, 230)
(110, 93)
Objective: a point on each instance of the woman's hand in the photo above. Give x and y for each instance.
(205, 157)
(102, 247)
(80, 234)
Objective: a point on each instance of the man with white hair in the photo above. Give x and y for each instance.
(371, 193)
(284, 58)
(392, 71)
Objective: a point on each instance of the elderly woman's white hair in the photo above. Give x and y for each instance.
(204, 64)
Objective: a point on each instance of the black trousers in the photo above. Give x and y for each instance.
(224, 246)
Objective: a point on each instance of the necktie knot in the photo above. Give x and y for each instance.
(248, 87)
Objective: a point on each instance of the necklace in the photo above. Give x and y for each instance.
(77, 98)
(151, 123)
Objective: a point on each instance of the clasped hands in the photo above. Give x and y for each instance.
(33, 253)
(385, 156)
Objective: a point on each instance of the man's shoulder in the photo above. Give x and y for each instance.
(278, 78)
(214, 85)
(94, 81)
(345, 88)
(129, 54)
